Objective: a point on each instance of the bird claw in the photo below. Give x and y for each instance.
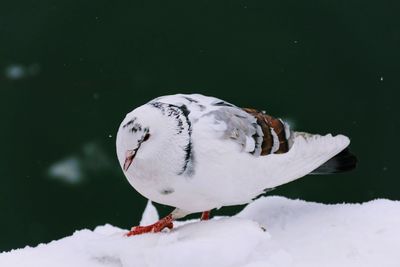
(153, 228)
(205, 216)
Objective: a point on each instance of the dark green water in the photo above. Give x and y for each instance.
(70, 71)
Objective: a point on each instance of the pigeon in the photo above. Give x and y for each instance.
(197, 153)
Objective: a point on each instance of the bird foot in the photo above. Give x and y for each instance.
(205, 216)
(165, 222)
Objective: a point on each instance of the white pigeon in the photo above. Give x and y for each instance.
(197, 153)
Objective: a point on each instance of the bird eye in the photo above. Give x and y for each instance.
(146, 137)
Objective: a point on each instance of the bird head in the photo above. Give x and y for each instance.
(151, 134)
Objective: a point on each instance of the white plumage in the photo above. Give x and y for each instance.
(197, 153)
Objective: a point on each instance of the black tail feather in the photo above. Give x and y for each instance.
(342, 162)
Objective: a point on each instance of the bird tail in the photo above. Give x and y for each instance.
(342, 162)
(307, 154)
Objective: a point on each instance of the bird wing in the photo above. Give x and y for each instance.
(259, 134)
(256, 132)
(276, 133)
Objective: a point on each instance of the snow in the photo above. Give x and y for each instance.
(150, 214)
(298, 233)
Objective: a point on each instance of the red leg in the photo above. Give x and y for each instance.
(205, 216)
(165, 222)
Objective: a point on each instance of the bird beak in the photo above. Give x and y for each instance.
(129, 156)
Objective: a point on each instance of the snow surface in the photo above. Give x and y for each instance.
(298, 233)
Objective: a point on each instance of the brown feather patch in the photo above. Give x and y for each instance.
(268, 123)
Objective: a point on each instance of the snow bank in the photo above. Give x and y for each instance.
(298, 233)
